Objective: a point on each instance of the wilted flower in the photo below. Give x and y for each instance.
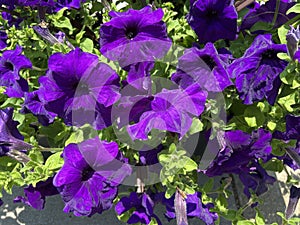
(293, 201)
(134, 36)
(204, 67)
(194, 207)
(35, 196)
(240, 155)
(257, 71)
(89, 179)
(45, 34)
(11, 62)
(256, 178)
(266, 14)
(77, 84)
(10, 137)
(213, 20)
(292, 38)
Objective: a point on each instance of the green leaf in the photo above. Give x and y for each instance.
(288, 101)
(254, 117)
(275, 165)
(61, 21)
(294, 9)
(259, 219)
(172, 148)
(261, 26)
(75, 137)
(282, 31)
(245, 222)
(54, 162)
(164, 158)
(170, 192)
(208, 186)
(196, 126)
(87, 45)
(189, 164)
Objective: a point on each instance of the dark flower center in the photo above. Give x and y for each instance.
(269, 57)
(9, 66)
(209, 61)
(82, 88)
(131, 32)
(211, 13)
(87, 173)
(269, 54)
(260, 86)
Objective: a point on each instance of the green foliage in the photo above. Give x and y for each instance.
(177, 170)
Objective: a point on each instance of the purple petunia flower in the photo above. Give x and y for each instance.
(257, 72)
(77, 84)
(194, 207)
(204, 67)
(51, 5)
(240, 155)
(134, 36)
(170, 110)
(256, 178)
(213, 20)
(34, 105)
(88, 181)
(3, 39)
(11, 62)
(139, 75)
(143, 205)
(292, 158)
(10, 137)
(150, 156)
(266, 14)
(35, 196)
(297, 56)
(12, 21)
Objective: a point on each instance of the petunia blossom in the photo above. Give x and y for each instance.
(266, 13)
(134, 36)
(3, 39)
(35, 196)
(11, 63)
(89, 179)
(292, 132)
(10, 137)
(34, 105)
(240, 155)
(194, 207)
(142, 205)
(213, 19)
(52, 5)
(202, 66)
(170, 110)
(77, 84)
(257, 71)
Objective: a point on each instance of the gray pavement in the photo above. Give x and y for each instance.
(19, 214)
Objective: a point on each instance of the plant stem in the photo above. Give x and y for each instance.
(42, 149)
